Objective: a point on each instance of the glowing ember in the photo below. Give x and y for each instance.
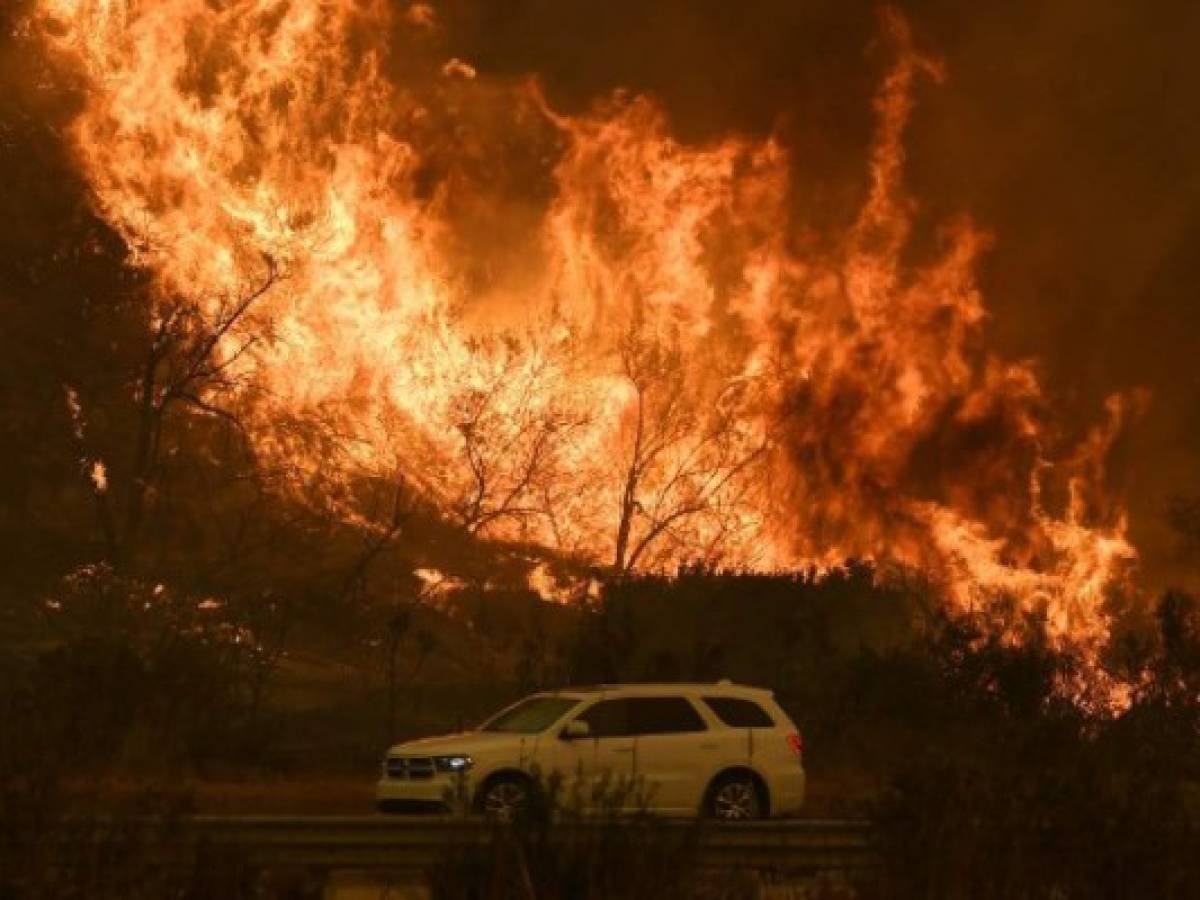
(675, 377)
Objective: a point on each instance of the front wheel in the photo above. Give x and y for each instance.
(735, 798)
(504, 799)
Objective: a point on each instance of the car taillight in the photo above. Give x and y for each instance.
(797, 744)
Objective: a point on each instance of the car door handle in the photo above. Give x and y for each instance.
(708, 746)
(622, 749)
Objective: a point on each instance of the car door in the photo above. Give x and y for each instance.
(562, 764)
(604, 758)
(674, 752)
(558, 763)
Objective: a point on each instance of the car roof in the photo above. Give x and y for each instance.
(711, 688)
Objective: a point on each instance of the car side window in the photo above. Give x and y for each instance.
(663, 715)
(608, 718)
(737, 712)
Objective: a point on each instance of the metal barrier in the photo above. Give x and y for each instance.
(377, 842)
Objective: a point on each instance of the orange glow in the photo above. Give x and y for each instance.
(676, 376)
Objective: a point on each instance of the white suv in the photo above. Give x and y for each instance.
(721, 750)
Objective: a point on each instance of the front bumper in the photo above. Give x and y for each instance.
(440, 793)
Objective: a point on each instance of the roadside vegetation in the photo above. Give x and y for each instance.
(984, 780)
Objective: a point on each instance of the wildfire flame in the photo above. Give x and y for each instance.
(665, 370)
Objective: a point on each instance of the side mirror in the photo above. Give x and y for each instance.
(574, 730)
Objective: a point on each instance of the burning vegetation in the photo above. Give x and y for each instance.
(573, 331)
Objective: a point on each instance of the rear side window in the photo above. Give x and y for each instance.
(737, 712)
(663, 715)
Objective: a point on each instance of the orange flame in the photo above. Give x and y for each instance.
(674, 377)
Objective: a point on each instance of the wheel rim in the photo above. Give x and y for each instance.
(505, 800)
(736, 800)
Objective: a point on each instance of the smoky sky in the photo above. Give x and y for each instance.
(1069, 130)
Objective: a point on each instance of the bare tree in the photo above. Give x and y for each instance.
(513, 431)
(383, 522)
(188, 363)
(684, 480)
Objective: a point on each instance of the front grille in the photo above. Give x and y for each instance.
(410, 768)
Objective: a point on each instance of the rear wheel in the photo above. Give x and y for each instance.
(504, 798)
(735, 798)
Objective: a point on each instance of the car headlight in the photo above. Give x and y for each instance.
(453, 764)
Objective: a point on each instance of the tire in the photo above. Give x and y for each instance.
(735, 797)
(505, 798)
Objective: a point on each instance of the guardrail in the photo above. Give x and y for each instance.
(375, 842)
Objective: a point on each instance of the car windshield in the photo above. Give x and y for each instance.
(530, 716)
